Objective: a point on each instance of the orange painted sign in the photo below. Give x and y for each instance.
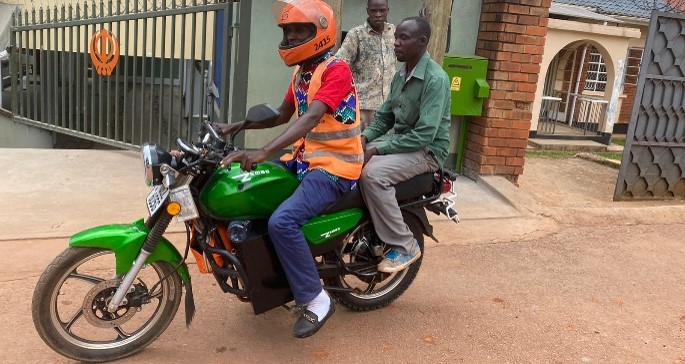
(104, 51)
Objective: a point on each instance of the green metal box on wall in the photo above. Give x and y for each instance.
(468, 83)
(469, 88)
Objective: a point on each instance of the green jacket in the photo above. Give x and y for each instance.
(418, 110)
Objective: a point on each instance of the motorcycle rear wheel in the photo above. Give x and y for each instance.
(79, 327)
(375, 293)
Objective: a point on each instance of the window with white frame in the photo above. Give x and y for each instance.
(596, 79)
(633, 65)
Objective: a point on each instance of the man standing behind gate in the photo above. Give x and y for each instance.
(368, 49)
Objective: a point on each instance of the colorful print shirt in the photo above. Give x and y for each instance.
(371, 57)
(336, 84)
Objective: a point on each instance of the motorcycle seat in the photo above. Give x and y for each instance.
(412, 188)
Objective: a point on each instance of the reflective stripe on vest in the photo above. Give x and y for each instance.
(356, 158)
(333, 135)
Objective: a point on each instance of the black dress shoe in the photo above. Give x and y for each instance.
(308, 323)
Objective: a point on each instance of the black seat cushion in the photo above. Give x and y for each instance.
(412, 188)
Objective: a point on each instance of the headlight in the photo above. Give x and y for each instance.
(153, 157)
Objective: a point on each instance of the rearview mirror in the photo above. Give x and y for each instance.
(262, 113)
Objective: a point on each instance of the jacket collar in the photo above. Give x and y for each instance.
(419, 70)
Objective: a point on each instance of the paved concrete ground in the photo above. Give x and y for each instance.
(563, 144)
(551, 271)
(55, 193)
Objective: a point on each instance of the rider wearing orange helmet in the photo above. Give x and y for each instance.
(327, 155)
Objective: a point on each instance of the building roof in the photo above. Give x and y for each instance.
(630, 8)
(579, 12)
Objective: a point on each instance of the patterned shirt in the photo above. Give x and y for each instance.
(336, 91)
(372, 58)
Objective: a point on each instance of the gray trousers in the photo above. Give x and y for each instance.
(377, 182)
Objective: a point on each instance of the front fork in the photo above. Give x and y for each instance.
(149, 245)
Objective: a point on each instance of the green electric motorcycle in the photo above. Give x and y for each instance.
(116, 288)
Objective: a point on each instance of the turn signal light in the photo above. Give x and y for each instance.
(173, 208)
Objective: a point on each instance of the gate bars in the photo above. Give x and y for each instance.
(653, 164)
(159, 55)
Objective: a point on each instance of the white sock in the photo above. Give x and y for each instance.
(320, 305)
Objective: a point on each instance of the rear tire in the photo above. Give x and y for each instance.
(395, 283)
(61, 276)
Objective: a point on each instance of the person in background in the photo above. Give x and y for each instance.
(368, 49)
(418, 110)
(4, 56)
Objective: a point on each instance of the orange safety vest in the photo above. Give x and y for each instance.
(331, 145)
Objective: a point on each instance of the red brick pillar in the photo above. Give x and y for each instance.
(512, 36)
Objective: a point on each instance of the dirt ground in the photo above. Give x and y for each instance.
(575, 278)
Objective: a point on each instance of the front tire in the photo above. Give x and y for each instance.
(366, 294)
(75, 325)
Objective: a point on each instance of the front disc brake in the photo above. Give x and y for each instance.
(95, 306)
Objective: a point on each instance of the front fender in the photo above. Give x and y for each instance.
(126, 240)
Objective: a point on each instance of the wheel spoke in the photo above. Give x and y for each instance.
(371, 286)
(87, 278)
(67, 325)
(158, 294)
(121, 334)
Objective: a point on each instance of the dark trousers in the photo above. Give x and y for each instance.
(316, 192)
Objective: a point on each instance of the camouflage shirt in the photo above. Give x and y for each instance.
(371, 57)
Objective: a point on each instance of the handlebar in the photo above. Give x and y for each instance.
(187, 149)
(211, 130)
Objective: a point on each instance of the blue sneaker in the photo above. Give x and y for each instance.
(394, 261)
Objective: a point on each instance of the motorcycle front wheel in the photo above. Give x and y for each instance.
(70, 300)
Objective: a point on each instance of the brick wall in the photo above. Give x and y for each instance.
(512, 36)
(627, 105)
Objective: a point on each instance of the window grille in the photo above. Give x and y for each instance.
(596, 78)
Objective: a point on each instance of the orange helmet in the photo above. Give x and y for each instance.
(315, 13)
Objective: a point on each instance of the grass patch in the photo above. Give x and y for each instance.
(611, 155)
(621, 142)
(550, 154)
(560, 154)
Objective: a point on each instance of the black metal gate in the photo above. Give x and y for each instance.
(122, 72)
(653, 165)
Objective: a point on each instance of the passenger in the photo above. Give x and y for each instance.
(418, 110)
